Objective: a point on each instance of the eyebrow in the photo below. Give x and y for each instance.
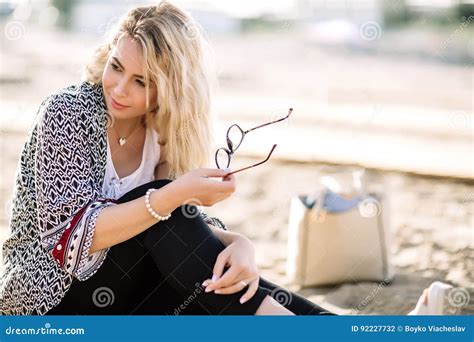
(120, 64)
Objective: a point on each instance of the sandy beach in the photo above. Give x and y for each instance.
(432, 220)
(432, 216)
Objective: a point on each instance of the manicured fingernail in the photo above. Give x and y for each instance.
(205, 283)
(214, 278)
(217, 291)
(243, 300)
(207, 289)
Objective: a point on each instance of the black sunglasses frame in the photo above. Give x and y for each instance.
(230, 150)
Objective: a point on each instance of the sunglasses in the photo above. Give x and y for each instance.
(235, 136)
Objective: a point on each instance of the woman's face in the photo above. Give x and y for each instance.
(123, 81)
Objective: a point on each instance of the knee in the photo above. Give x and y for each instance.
(142, 189)
(158, 183)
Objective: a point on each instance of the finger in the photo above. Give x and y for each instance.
(213, 172)
(221, 261)
(239, 285)
(229, 177)
(206, 282)
(253, 286)
(226, 280)
(228, 184)
(224, 186)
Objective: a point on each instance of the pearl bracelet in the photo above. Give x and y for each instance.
(150, 209)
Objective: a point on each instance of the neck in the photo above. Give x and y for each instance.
(125, 126)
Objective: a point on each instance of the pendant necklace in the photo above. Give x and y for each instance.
(123, 140)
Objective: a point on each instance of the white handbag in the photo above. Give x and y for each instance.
(340, 234)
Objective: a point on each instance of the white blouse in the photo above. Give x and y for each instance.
(114, 186)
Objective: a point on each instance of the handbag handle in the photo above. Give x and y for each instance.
(318, 212)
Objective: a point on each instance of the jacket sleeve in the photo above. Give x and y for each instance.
(68, 201)
(213, 221)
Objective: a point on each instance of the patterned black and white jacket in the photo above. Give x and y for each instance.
(56, 201)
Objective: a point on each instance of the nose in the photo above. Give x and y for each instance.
(120, 89)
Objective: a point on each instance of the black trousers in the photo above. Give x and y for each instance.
(160, 272)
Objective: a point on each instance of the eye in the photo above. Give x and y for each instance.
(141, 83)
(114, 66)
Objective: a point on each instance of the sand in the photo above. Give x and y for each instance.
(431, 225)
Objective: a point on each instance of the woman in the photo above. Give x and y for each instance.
(100, 205)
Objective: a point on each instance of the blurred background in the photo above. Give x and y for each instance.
(382, 85)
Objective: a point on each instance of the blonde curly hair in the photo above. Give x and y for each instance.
(179, 60)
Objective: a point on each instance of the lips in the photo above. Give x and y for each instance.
(117, 104)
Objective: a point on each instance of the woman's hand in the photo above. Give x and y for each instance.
(243, 271)
(202, 185)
